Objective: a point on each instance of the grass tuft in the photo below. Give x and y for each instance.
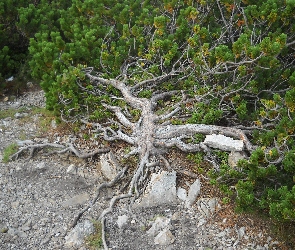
(8, 151)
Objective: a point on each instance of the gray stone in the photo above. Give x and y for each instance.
(122, 220)
(207, 206)
(23, 143)
(76, 200)
(4, 230)
(15, 204)
(20, 115)
(223, 143)
(160, 190)
(164, 238)
(72, 169)
(10, 79)
(181, 194)
(109, 165)
(159, 224)
(30, 85)
(234, 157)
(16, 232)
(241, 232)
(53, 124)
(41, 165)
(76, 236)
(193, 193)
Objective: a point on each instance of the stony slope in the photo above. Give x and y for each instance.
(40, 197)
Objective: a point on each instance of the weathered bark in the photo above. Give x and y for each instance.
(152, 133)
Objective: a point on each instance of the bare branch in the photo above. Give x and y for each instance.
(174, 131)
(121, 117)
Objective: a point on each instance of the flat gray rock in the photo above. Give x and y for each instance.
(109, 166)
(77, 235)
(76, 200)
(207, 206)
(122, 220)
(193, 193)
(234, 157)
(161, 190)
(160, 223)
(164, 238)
(223, 143)
(181, 194)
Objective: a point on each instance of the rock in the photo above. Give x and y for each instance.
(201, 222)
(181, 194)
(15, 204)
(20, 115)
(76, 236)
(72, 169)
(41, 165)
(193, 193)
(223, 143)
(234, 157)
(23, 143)
(53, 124)
(30, 85)
(76, 200)
(4, 230)
(160, 190)
(16, 232)
(241, 232)
(159, 224)
(10, 79)
(109, 165)
(164, 238)
(207, 206)
(122, 221)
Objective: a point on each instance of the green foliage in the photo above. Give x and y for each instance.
(204, 113)
(13, 42)
(197, 158)
(8, 151)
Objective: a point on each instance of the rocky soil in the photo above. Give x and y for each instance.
(40, 198)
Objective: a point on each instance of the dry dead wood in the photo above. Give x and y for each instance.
(57, 149)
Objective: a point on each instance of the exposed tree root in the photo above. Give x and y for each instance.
(108, 210)
(151, 135)
(62, 149)
(102, 186)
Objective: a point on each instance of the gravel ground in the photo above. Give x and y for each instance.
(40, 197)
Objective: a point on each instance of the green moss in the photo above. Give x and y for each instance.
(94, 241)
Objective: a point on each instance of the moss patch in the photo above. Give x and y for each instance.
(94, 241)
